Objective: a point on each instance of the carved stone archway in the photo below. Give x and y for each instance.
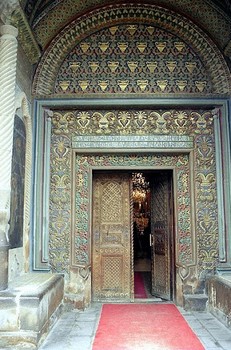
(109, 16)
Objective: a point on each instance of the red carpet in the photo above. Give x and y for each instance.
(139, 289)
(144, 327)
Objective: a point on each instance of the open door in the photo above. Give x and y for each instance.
(111, 237)
(161, 235)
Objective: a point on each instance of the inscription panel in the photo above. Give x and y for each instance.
(138, 142)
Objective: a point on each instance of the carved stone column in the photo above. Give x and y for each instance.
(8, 59)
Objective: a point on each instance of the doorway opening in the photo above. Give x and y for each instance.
(132, 235)
(152, 195)
(141, 200)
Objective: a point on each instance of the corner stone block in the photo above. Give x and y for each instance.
(9, 320)
(30, 314)
(55, 296)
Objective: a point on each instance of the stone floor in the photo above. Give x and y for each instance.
(75, 330)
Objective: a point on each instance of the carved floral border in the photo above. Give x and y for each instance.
(199, 124)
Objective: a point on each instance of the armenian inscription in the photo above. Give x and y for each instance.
(137, 141)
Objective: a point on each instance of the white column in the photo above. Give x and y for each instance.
(8, 60)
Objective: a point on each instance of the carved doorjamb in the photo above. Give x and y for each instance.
(85, 164)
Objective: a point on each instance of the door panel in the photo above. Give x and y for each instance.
(111, 248)
(161, 235)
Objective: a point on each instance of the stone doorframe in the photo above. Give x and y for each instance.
(43, 109)
(180, 271)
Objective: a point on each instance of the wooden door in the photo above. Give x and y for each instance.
(111, 243)
(161, 227)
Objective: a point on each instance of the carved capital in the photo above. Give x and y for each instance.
(216, 113)
(7, 7)
(8, 31)
(49, 113)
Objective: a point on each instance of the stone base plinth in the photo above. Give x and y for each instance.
(219, 302)
(195, 302)
(29, 308)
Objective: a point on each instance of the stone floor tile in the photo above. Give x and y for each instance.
(83, 329)
(80, 343)
(195, 323)
(222, 336)
(214, 324)
(209, 341)
(201, 332)
(226, 345)
(88, 318)
(79, 328)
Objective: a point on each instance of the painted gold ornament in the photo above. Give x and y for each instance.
(64, 84)
(123, 84)
(113, 65)
(83, 84)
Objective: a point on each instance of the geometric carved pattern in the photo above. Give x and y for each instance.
(112, 267)
(132, 59)
(55, 17)
(111, 202)
(203, 68)
(161, 278)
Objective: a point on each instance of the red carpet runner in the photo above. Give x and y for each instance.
(144, 327)
(139, 289)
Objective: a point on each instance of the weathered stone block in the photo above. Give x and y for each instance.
(195, 302)
(30, 317)
(29, 308)
(219, 301)
(8, 314)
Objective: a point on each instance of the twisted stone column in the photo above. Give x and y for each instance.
(8, 60)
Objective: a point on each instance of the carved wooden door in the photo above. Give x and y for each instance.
(161, 216)
(111, 247)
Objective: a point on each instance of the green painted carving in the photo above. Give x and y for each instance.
(200, 11)
(189, 244)
(140, 59)
(82, 32)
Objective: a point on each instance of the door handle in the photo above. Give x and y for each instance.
(150, 240)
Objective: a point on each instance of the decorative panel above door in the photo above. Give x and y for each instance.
(132, 59)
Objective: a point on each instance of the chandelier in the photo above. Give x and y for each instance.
(140, 187)
(139, 195)
(140, 191)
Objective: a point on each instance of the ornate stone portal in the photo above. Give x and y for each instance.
(196, 236)
(139, 52)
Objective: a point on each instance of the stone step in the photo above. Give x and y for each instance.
(195, 302)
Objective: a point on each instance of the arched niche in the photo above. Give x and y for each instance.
(166, 22)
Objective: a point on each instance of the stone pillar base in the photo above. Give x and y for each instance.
(29, 308)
